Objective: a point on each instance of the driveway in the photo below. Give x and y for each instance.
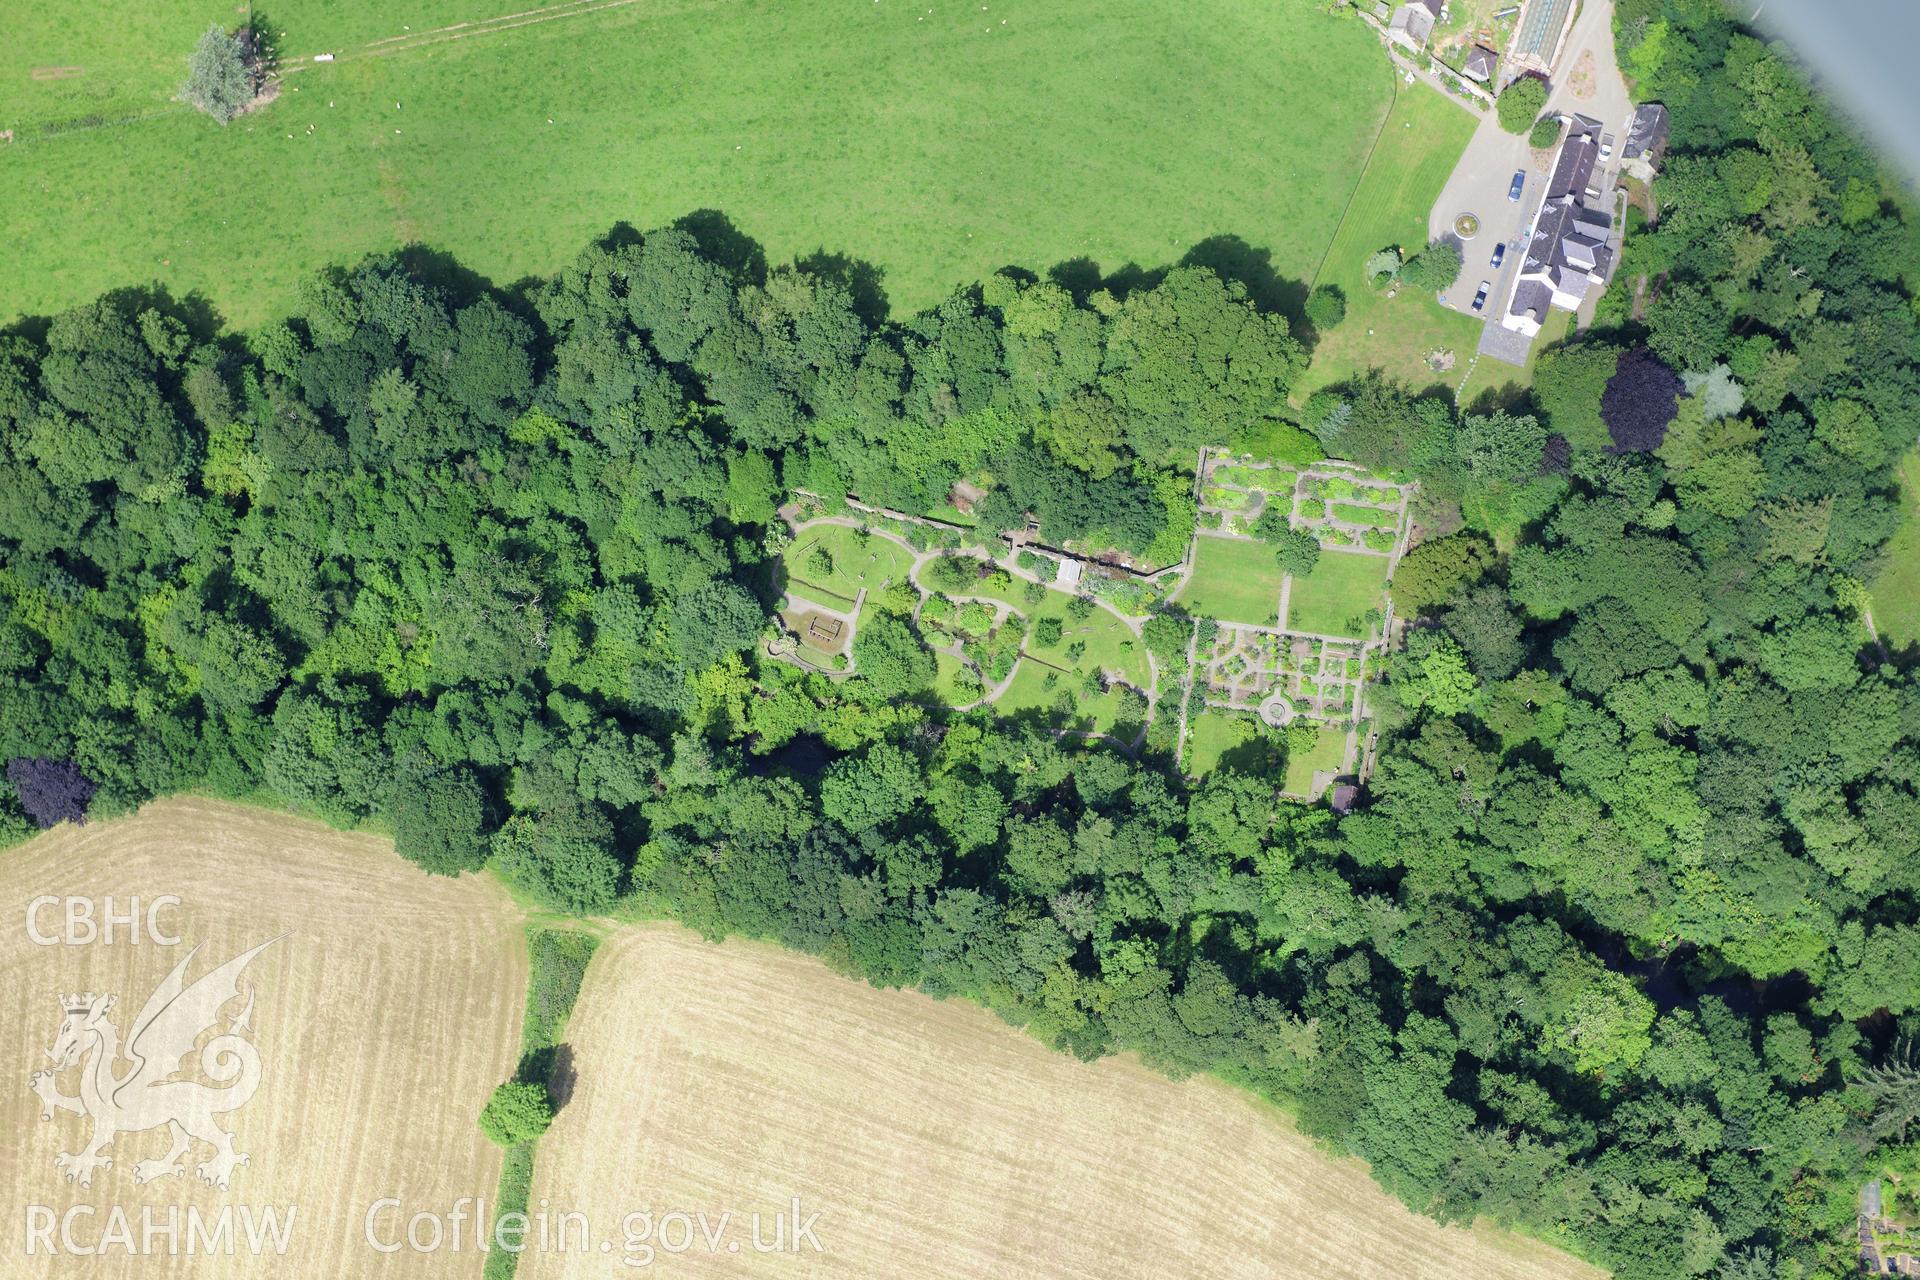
(1586, 81)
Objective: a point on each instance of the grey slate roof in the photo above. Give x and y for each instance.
(1412, 23)
(1480, 63)
(1569, 241)
(1647, 134)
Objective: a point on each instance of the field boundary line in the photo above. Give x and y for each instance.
(475, 22)
(460, 31)
(1346, 210)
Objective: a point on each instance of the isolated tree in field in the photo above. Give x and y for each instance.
(517, 1112)
(1520, 104)
(1296, 551)
(1434, 269)
(220, 80)
(1382, 267)
(1326, 307)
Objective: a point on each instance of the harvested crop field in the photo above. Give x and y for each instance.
(382, 1019)
(932, 1139)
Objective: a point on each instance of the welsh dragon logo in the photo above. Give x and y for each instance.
(144, 1094)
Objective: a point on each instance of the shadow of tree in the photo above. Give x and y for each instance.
(562, 1077)
(461, 283)
(1082, 278)
(738, 253)
(862, 279)
(1232, 258)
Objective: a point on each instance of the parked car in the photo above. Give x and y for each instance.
(1480, 298)
(1606, 148)
(1519, 181)
(1499, 254)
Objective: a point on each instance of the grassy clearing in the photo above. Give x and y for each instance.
(1327, 755)
(1106, 641)
(1234, 580)
(858, 562)
(1342, 586)
(1896, 592)
(1424, 136)
(938, 146)
(1062, 697)
(1215, 736)
(954, 682)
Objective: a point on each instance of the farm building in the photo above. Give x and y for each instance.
(1412, 25)
(1646, 143)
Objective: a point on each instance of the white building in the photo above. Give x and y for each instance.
(1568, 254)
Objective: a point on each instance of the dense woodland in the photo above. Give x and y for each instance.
(1632, 899)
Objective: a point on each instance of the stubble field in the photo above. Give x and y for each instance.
(931, 1139)
(383, 1018)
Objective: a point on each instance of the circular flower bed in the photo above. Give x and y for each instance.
(1466, 226)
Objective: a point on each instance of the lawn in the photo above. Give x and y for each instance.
(1327, 755)
(1037, 687)
(1110, 645)
(1215, 735)
(954, 682)
(859, 563)
(1424, 136)
(1234, 580)
(1373, 517)
(1896, 592)
(936, 145)
(1342, 586)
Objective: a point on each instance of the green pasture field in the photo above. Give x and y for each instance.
(855, 567)
(1234, 580)
(1424, 136)
(1328, 755)
(1896, 592)
(937, 147)
(1342, 586)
